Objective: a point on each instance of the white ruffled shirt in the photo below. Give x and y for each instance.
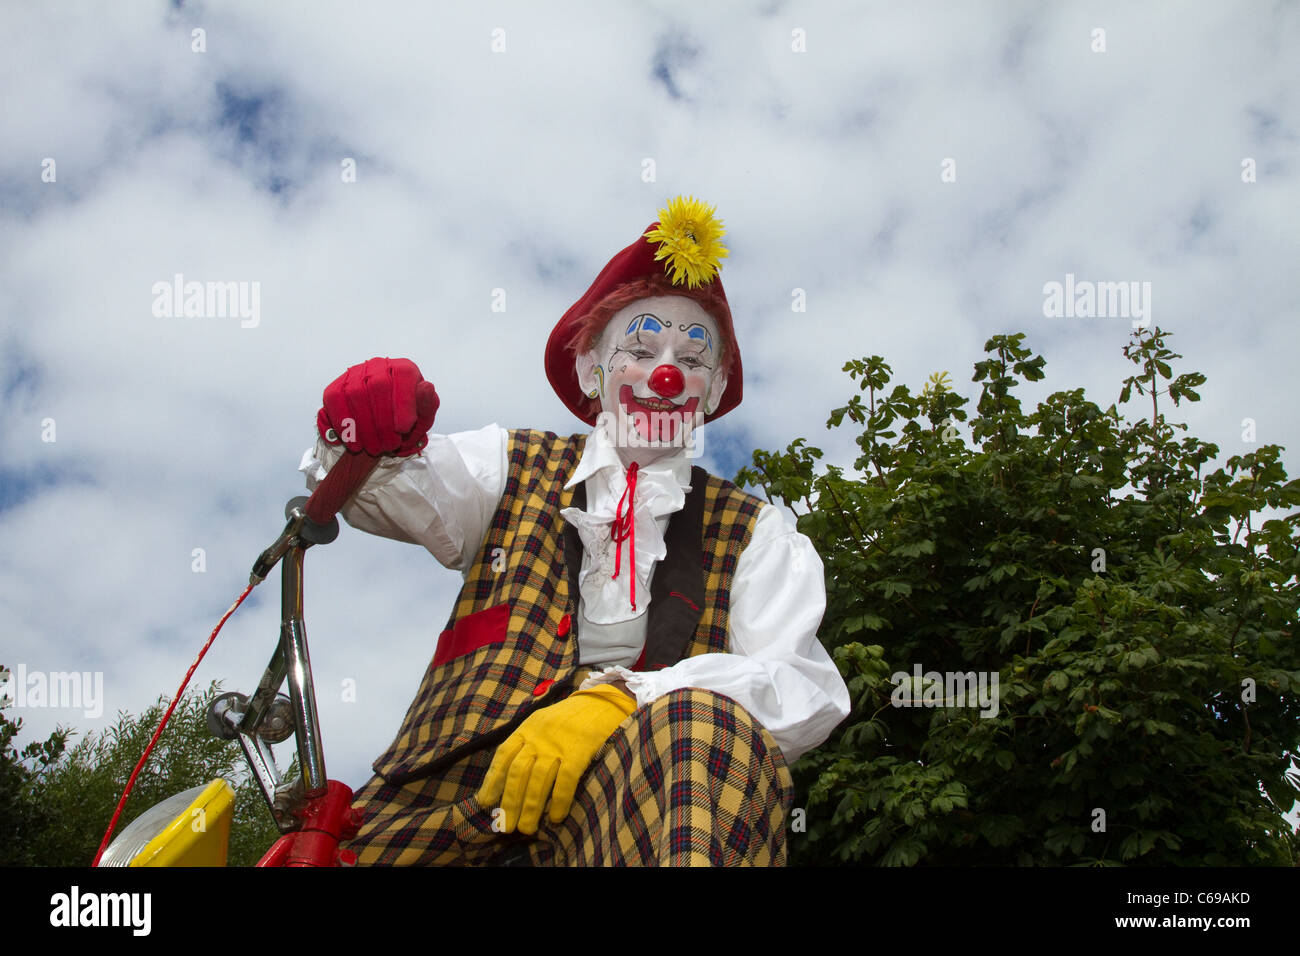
(445, 497)
(612, 628)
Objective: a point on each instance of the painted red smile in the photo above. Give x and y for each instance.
(651, 405)
(656, 412)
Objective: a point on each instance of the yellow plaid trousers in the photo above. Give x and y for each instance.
(688, 780)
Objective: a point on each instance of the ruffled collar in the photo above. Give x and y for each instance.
(660, 490)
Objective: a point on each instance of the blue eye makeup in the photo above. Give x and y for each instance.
(701, 334)
(645, 322)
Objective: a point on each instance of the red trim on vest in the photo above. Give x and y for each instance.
(471, 632)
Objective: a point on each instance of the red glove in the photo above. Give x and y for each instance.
(382, 407)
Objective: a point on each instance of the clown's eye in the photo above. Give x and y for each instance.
(641, 353)
(690, 362)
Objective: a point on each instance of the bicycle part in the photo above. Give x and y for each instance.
(226, 713)
(326, 821)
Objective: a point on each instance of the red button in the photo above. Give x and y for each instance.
(543, 687)
(563, 629)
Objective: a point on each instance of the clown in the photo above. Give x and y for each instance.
(632, 661)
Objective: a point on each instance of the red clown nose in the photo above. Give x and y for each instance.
(667, 380)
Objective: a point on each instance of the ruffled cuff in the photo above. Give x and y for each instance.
(639, 683)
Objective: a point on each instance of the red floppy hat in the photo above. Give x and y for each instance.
(677, 255)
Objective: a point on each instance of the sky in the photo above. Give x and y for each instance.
(895, 179)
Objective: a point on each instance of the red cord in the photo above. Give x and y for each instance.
(625, 527)
(167, 716)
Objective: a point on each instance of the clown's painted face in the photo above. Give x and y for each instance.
(656, 370)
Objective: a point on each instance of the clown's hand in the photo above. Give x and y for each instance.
(549, 753)
(382, 407)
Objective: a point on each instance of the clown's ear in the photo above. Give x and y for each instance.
(588, 379)
(716, 390)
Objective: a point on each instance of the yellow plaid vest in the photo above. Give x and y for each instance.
(511, 643)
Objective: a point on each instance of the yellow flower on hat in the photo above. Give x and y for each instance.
(688, 235)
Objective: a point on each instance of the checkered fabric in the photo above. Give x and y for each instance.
(487, 693)
(430, 821)
(689, 780)
(510, 646)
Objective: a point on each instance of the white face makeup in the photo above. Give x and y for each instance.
(656, 370)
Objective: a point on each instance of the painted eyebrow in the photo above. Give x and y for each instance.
(700, 334)
(647, 322)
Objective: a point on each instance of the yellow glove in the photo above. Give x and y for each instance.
(549, 753)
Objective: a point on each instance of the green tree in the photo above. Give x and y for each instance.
(1139, 615)
(56, 801)
(21, 813)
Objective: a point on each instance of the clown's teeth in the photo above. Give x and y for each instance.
(654, 404)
